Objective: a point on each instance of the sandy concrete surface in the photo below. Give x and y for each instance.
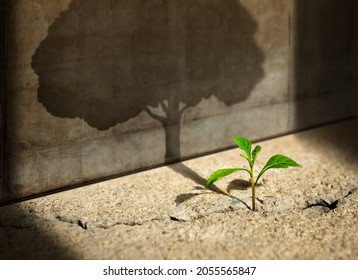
(166, 213)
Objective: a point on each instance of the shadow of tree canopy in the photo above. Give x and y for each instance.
(106, 61)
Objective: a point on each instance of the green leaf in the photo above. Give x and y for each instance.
(222, 173)
(245, 157)
(277, 161)
(243, 144)
(255, 152)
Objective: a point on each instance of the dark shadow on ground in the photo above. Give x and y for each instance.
(23, 236)
(185, 197)
(238, 184)
(187, 172)
(241, 185)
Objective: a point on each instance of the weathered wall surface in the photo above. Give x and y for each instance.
(2, 90)
(324, 68)
(100, 88)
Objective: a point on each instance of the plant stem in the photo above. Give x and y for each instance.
(253, 184)
(253, 192)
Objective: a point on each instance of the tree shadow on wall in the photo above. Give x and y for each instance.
(106, 61)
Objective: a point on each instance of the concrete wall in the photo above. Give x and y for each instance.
(2, 90)
(100, 88)
(324, 68)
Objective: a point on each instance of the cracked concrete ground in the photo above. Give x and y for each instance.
(166, 213)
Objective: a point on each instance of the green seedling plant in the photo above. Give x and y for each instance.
(276, 161)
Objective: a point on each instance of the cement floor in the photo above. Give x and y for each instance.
(166, 213)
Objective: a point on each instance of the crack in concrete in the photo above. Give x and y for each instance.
(80, 222)
(330, 206)
(188, 215)
(85, 224)
(129, 223)
(188, 218)
(323, 203)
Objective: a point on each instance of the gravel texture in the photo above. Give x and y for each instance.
(166, 213)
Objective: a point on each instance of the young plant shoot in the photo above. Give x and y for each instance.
(276, 161)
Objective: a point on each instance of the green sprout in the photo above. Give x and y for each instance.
(276, 161)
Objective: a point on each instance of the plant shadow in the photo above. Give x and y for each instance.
(187, 172)
(240, 185)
